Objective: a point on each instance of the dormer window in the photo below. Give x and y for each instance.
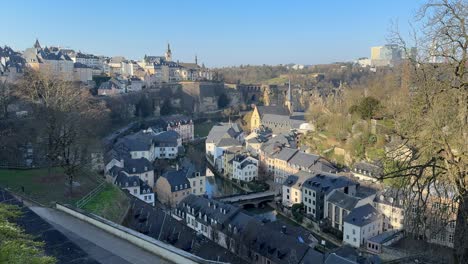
(146, 168)
(176, 188)
(134, 169)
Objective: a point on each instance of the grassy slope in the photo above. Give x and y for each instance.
(111, 203)
(46, 187)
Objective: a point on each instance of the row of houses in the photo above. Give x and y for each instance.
(128, 75)
(129, 161)
(364, 216)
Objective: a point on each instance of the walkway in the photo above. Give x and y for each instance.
(100, 245)
(251, 196)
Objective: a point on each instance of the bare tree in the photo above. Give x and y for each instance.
(6, 97)
(434, 124)
(68, 119)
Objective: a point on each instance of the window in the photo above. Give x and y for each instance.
(287, 197)
(354, 231)
(194, 183)
(354, 239)
(201, 190)
(201, 182)
(313, 194)
(135, 191)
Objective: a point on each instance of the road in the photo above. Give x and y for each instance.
(100, 245)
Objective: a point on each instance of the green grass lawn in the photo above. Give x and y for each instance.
(111, 203)
(47, 187)
(202, 129)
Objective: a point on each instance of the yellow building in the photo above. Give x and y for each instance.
(172, 187)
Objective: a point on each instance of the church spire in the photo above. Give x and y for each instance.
(168, 54)
(37, 45)
(196, 59)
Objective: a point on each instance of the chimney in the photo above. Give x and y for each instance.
(283, 229)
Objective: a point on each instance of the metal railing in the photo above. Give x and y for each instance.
(83, 201)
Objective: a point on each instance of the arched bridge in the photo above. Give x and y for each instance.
(254, 199)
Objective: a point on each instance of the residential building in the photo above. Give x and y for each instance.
(228, 156)
(243, 235)
(338, 205)
(167, 145)
(197, 183)
(361, 224)
(183, 125)
(318, 187)
(221, 137)
(89, 60)
(173, 186)
(390, 204)
(133, 184)
(366, 171)
(245, 168)
(292, 189)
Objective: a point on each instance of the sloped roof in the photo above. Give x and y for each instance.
(304, 160)
(343, 200)
(326, 182)
(272, 110)
(286, 154)
(363, 215)
(177, 178)
(140, 165)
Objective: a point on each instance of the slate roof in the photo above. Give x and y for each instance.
(363, 215)
(166, 139)
(278, 247)
(215, 210)
(286, 154)
(154, 222)
(304, 160)
(392, 197)
(325, 182)
(367, 169)
(177, 178)
(140, 165)
(223, 130)
(291, 180)
(343, 200)
(225, 142)
(123, 180)
(272, 110)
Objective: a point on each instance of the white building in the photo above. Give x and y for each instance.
(245, 168)
(221, 137)
(197, 183)
(292, 189)
(361, 224)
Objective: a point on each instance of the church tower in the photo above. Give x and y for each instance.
(168, 54)
(288, 102)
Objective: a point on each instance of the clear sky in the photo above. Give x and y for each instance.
(220, 32)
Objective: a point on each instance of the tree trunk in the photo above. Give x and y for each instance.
(461, 231)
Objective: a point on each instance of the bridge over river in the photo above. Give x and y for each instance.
(249, 199)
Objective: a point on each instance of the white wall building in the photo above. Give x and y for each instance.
(244, 168)
(361, 224)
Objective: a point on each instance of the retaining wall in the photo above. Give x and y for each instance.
(152, 245)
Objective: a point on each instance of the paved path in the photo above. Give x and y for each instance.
(244, 197)
(100, 245)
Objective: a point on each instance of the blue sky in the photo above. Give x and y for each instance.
(220, 32)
